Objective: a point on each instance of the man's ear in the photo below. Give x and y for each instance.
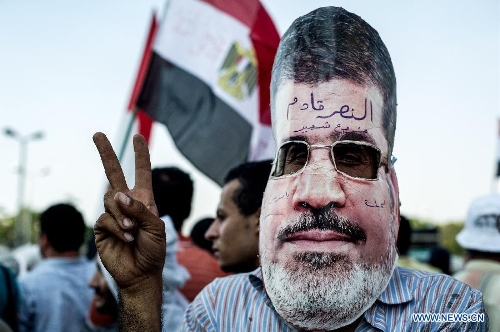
(43, 241)
(255, 223)
(44, 244)
(395, 191)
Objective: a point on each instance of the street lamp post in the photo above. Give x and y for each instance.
(21, 184)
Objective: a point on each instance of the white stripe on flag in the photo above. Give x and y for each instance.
(197, 37)
(262, 144)
(128, 158)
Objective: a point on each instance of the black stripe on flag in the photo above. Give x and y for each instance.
(207, 131)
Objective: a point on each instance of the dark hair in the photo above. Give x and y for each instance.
(404, 236)
(332, 43)
(198, 233)
(173, 193)
(253, 178)
(440, 258)
(64, 227)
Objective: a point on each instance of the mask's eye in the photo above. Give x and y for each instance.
(356, 160)
(291, 158)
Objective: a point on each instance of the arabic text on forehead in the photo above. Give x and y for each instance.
(345, 110)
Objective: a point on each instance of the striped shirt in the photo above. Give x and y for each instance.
(239, 303)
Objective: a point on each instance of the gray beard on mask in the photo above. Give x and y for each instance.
(325, 291)
(328, 297)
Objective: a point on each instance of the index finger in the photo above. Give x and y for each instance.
(112, 167)
(142, 163)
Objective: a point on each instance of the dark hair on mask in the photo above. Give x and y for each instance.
(332, 43)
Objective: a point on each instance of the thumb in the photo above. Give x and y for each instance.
(145, 219)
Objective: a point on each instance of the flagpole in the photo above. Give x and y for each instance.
(496, 167)
(139, 81)
(128, 130)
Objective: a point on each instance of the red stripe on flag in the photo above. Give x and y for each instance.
(265, 39)
(244, 11)
(143, 68)
(145, 125)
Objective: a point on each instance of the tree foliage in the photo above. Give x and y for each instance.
(447, 233)
(8, 228)
(447, 237)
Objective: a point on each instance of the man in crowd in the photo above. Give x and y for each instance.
(403, 244)
(103, 311)
(173, 193)
(198, 231)
(481, 238)
(174, 275)
(235, 230)
(9, 294)
(55, 295)
(330, 212)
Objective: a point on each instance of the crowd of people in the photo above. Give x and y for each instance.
(68, 291)
(310, 241)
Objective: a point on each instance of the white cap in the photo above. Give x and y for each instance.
(482, 227)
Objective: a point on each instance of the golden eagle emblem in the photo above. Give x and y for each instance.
(238, 73)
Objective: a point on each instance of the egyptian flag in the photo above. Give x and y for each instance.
(208, 81)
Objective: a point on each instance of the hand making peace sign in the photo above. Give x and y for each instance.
(129, 236)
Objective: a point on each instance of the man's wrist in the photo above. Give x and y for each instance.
(136, 303)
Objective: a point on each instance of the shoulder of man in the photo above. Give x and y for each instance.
(11, 280)
(419, 292)
(225, 298)
(439, 291)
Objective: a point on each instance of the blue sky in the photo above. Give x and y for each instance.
(67, 68)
